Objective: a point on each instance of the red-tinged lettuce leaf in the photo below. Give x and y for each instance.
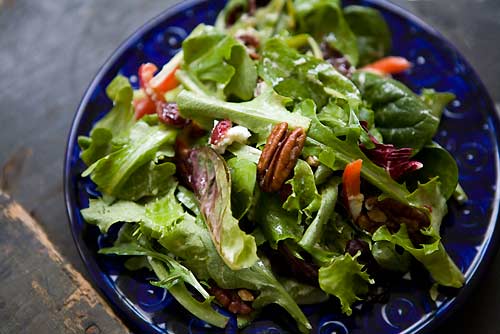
(345, 279)
(212, 185)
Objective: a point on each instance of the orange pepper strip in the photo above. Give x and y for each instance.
(389, 65)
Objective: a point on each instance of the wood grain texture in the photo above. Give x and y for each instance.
(40, 291)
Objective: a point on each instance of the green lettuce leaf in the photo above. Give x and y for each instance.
(191, 241)
(104, 214)
(258, 115)
(389, 258)
(212, 184)
(432, 254)
(275, 222)
(114, 125)
(216, 59)
(151, 179)
(436, 101)
(372, 33)
(301, 76)
(172, 275)
(243, 180)
(325, 19)
(325, 145)
(112, 172)
(402, 117)
(303, 294)
(314, 234)
(345, 279)
(437, 162)
(304, 197)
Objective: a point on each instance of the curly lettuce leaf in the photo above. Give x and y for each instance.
(324, 19)
(191, 241)
(243, 181)
(304, 197)
(112, 173)
(104, 215)
(432, 254)
(372, 33)
(259, 115)
(154, 216)
(345, 279)
(216, 59)
(212, 184)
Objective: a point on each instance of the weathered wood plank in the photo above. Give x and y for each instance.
(40, 292)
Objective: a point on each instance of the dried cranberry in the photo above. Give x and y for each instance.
(220, 131)
(168, 113)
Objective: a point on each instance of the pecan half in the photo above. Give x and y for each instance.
(280, 154)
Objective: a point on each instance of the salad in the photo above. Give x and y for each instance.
(275, 160)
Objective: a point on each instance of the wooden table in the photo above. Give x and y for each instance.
(49, 52)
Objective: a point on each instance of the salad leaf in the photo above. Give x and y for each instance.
(201, 310)
(113, 125)
(104, 215)
(275, 222)
(129, 245)
(386, 255)
(402, 118)
(192, 242)
(212, 184)
(215, 58)
(303, 294)
(304, 196)
(346, 151)
(121, 117)
(345, 279)
(113, 171)
(171, 274)
(436, 101)
(188, 199)
(431, 254)
(325, 19)
(258, 115)
(438, 162)
(301, 77)
(96, 146)
(150, 179)
(372, 33)
(243, 180)
(314, 233)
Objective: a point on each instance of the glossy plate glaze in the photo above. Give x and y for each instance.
(469, 131)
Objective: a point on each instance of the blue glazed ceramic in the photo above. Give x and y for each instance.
(469, 131)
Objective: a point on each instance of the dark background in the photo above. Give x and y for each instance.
(51, 49)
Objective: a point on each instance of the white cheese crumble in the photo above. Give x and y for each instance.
(236, 134)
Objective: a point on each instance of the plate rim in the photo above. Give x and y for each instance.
(119, 303)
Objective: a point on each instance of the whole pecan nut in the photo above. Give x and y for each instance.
(280, 154)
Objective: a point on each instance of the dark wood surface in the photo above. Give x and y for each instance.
(49, 52)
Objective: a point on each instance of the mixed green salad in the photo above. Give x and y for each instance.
(274, 160)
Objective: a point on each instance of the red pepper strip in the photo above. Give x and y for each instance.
(389, 65)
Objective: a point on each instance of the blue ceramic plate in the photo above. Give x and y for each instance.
(468, 131)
